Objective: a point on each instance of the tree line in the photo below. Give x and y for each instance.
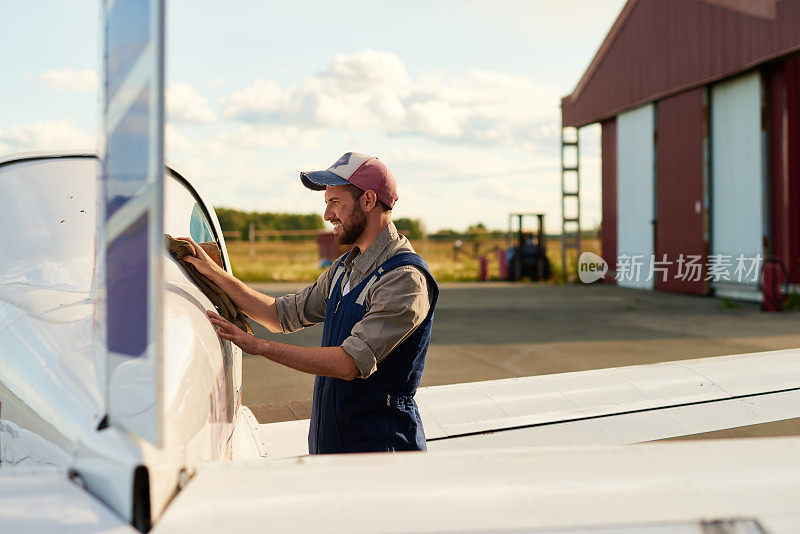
(233, 220)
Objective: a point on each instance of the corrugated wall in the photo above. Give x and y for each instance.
(661, 47)
(783, 85)
(608, 237)
(679, 178)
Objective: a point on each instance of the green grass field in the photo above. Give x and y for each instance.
(297, 261)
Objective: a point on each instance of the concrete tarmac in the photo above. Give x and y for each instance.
(485, 331)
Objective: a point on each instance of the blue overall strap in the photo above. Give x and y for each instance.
(334, 297)
(404, 258)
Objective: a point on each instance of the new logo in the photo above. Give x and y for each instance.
(591, 267)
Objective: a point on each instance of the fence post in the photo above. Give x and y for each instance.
(252, 239)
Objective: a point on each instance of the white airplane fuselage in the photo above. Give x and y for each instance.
(52, 374)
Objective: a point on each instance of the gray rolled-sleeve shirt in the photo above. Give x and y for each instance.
(395, 305)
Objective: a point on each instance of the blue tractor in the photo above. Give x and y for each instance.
(526, 255)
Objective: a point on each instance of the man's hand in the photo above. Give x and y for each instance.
(255, 305)
(202, 261)
(321, 361)
(227, 330)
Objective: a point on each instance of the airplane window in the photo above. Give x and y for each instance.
(183, 214)
(199, 228)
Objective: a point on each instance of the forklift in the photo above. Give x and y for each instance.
(528, 256)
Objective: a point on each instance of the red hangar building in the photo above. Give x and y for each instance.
(700, 142)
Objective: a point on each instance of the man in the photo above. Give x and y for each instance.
(377, 305)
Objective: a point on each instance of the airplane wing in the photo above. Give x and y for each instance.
(743, 485)
(44, 500)
(617, 405)
(606, 406)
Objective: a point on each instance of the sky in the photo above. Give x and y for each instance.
(459, 99)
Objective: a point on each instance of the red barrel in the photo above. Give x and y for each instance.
(483, 269)
(501, 259)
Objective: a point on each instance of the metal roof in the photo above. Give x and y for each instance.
(657, 48)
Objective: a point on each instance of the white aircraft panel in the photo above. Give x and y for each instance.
(637, 427)
(284, 439)
(774, 407)
(605, 430)
(697, 419)
(458, 409)
(499, 490)
(618, 405)
(635, 195)
(737, 180)
(246, 444)
(584, 432)
(748, 372)
(44, 501)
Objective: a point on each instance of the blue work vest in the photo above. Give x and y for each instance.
(377, 413)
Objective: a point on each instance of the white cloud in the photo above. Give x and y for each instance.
(254, 103)
(46, 135)
(254, 137)
(185, 105)
(373, 91)
(358, 91)
(436, 118)
(367, 70)
(465, 166)
(175, 141)
(69, 80)
(241, 142)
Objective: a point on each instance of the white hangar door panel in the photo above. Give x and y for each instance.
(635, 196)
(737, 188)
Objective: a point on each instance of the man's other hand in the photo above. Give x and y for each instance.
(227, 330)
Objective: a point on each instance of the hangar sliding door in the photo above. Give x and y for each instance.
(635, 202)
(680, 171)
(737, 185)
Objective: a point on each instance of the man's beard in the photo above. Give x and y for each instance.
(352, 229)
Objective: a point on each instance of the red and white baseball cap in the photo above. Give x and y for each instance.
(365, 172)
